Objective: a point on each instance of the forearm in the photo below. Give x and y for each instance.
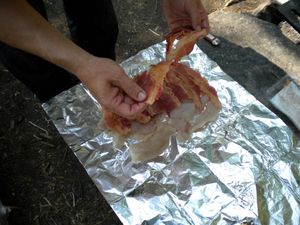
(22, 27)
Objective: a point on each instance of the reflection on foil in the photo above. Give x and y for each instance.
(243, 168)
(288, 102)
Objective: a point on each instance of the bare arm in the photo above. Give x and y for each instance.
(22, 27)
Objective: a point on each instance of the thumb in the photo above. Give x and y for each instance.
(198, 15)
(131, 88)
(196, 20)
(199, 20)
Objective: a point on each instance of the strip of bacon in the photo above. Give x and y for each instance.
(152, 81)
(188, 85)
(188, 73)
(157, 73)
(173, 82)
(143, 117)
(116, 123)
(187, 40)
(166, 102)
(167, 84)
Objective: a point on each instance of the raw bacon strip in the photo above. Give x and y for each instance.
(144, 81)
(173, 82)
(152, 81)
(166, 103)
(184, 46)
(158, 72)
(176, 34)
(171, 37)
(116, 123)
(143, 117)
(187, 85)
(193, 76)
(168, 85)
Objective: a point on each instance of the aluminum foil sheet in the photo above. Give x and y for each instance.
(4, 211)
(243, 168)
(288, 102)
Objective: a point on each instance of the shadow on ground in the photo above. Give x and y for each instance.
(250, 69)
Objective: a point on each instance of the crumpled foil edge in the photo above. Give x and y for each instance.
(243, 168)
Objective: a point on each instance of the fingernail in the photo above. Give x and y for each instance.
(141, 96)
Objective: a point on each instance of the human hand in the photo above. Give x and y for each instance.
(112, 88)
(106, 80)
(186, 13)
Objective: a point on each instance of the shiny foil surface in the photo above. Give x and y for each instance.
(288, 102)
(244, 168)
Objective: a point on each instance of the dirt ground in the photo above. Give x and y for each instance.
(40, 178)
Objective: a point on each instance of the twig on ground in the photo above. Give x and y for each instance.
(49, 144)
(49, 203)
(36, 137)
(74, 201)
(33, 124)
(46, 136)
(53, 220)
(67, 202)
(152, 31)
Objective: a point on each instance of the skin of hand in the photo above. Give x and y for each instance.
(186, 13)
(110, 85)
(28, 30)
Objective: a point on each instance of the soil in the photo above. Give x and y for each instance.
(41, 179)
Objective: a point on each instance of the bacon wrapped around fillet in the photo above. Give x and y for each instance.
(168, 85)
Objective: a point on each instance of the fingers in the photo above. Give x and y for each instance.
(123, 105)
(124, 96)
(198, 15)
(130, 88)
(112, 88)
(199, 20)
(130, 111)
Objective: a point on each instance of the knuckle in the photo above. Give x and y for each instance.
(129, 115)
(106, 104)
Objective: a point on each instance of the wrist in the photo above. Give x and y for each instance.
(89, 67)
(79, 64)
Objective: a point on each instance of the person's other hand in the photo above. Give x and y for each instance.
(186, 13)
(112, 88)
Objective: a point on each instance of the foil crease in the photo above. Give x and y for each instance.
(244, 168)
(288, 102)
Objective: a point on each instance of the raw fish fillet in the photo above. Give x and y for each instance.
(180, 101)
